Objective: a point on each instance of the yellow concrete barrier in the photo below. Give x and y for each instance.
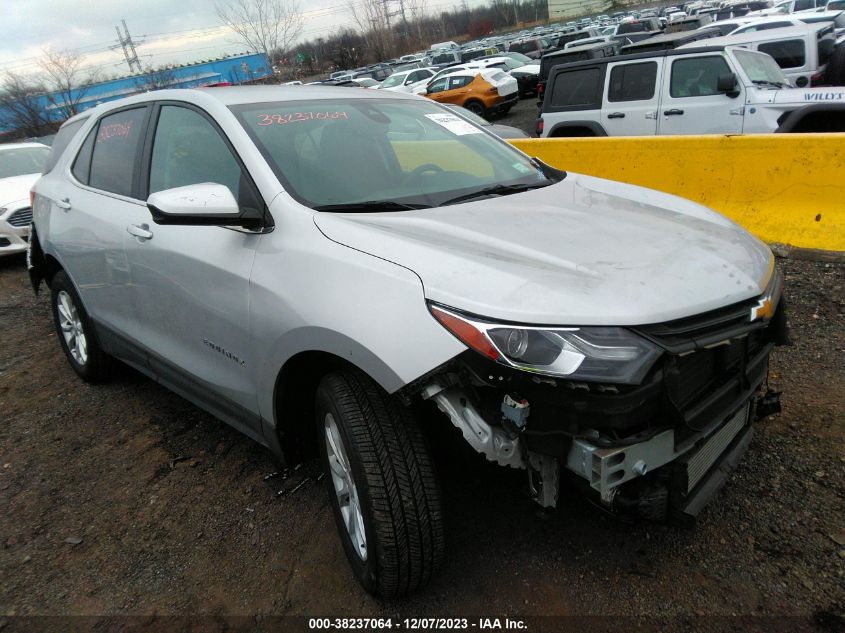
(784, 188)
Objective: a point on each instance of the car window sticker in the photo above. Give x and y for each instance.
(455, 124)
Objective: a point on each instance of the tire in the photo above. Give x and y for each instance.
(377, 441)
(476, 107)
(835, 71)
(76, 333)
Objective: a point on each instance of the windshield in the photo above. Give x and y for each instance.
(525, 58)
(355, 151)
(22, 160)
(760, 67)
(394, 80)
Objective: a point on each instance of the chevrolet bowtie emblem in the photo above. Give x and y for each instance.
(765, 309)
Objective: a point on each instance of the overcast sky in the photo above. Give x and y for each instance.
(166, 31)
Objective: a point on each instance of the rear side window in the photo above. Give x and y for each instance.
(82, 165)
(787, 54)
(697, 77)
(115, 152)
(60, 143)
(577, 89)
(459, 82)
(632, 82)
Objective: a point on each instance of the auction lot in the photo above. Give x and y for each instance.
(126, 499)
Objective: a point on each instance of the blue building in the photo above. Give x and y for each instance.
(234, 70)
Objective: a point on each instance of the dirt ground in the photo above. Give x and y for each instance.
(125, 499)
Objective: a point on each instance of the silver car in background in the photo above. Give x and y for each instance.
(314, 265)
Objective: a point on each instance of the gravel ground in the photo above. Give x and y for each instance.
(125, 499)
(523, 115)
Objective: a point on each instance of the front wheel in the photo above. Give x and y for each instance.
(383, 490)
(76, 332)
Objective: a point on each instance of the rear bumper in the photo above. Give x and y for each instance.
(506, 101)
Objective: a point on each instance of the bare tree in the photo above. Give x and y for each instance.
(66, 79)
(266, 26)
(155, 78)
(22, 105)
(373, 20)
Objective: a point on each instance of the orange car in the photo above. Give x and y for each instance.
(481, 91)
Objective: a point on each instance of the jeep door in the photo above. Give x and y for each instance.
(92, 204)
(191, 283)
(631, 99)
(690, 99)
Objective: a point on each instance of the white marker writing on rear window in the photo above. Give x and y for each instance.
(455, 124)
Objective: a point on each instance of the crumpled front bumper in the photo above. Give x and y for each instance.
(659, 478)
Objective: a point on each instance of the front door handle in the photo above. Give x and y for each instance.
(141, 232)
(616, 115)
(672, 111)
(64, 205)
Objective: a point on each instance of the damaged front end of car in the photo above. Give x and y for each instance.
(648, 420)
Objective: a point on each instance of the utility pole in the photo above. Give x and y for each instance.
(124, 41)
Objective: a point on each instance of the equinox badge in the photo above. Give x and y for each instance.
(224, 351)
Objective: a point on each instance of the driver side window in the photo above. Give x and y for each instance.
(697, 76)
(438, 86)
(188, 150)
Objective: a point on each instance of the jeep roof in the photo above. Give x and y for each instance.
(634, 56)
(668, 41)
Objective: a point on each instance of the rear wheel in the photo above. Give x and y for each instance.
(476, 107)
(383, 489)
(76, 332)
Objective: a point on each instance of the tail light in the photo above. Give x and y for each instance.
(817, 79)
(540, 127)
(541, 88)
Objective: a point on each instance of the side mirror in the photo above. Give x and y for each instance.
(727, 84)
(206, 204)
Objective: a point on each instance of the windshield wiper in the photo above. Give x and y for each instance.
(372, 205)
(766, 82)
(495, 190)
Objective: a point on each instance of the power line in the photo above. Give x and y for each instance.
(129, 53)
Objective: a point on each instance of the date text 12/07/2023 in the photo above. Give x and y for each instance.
(417, 624)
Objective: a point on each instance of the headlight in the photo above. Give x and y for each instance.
(600, 354)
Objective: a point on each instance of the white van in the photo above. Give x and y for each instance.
(436, 47)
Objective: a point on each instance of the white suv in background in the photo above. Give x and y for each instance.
(407, 80)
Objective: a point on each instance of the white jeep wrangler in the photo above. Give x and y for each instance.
(707, 90)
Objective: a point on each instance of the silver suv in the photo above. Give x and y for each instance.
(313, 265)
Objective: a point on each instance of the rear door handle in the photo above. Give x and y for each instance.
(616, 115)
(141, 232)
(64, 205)
(672, 111)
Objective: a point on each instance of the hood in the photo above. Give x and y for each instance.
(585, 251)
(810, 96)
(16, 188)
